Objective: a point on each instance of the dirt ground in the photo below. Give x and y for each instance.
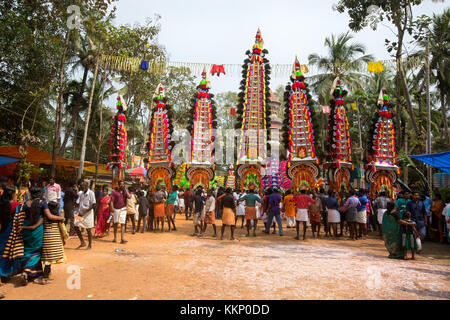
(176, 265)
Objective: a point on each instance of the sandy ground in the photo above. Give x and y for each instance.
(176, 265)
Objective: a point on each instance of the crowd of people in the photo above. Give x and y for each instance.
(35, 225)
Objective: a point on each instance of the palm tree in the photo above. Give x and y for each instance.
(438, 38)
(344, 60)
(85, 60)
(98, 133)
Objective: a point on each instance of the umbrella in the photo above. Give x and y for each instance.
(139, 172)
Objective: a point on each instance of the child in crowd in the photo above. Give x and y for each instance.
(408, 240)
(143, 210)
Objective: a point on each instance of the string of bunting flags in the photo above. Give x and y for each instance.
(130, 64)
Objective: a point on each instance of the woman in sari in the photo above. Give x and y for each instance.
(104, 213)
(33, 234)
(52, 245)
(11, 244)
(392, 233)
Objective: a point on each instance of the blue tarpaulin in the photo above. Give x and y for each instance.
(7, 160)
(439, 161)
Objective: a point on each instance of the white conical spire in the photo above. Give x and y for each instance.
(335, 85)
(258, 39)
(159, 91)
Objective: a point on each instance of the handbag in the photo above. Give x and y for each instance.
(64, 233)
(418, 244)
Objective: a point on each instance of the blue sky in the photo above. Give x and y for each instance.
(220, 31)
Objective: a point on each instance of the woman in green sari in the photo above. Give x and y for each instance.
(33, 234)
(392, 233)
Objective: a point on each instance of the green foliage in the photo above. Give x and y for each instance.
(342, 61)
(225, 101)
(445, 193)
(31, 43)
(391, 10)
(251, 178)
(23, 170)
(180, 87)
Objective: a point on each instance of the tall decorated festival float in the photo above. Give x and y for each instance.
(118, 158)
(200, 171)
(230, 181)
(382, 170)
(298, 131)
(159, 165)
(253, 117)
(338, 144)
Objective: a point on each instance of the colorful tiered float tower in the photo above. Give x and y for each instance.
(159, 163)
(231, 179)
(382, 169)
(118, 159)
(298, 131)
(272, 179)
(253, 115)
(201, 169)
(338, 144)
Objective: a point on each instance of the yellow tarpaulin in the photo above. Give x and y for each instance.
(375, 67)
(101, 170)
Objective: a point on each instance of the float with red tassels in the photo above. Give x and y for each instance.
(118, 158)
(382, 169)
(338, 144)
(298, 133)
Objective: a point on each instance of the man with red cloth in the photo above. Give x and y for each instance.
(302, 203)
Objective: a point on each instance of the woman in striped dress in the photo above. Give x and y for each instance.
(52, 245)
(11, 243)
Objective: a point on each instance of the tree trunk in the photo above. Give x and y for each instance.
(444, 113)
(408, 100)
(74, 142)
(58, 119)
(398, 111)
(405, 170)
(86, 128)
(401, 74)
(75, 111)
(100, 138)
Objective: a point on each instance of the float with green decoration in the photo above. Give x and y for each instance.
(338, 144)
(382, 170)
(201, 166)
(253, 114)
(298, 130)
(159, 163)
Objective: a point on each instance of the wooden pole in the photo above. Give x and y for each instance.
(361, 150)
(58, 119)
(429, 168)
(86, 129)
(100, 133)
